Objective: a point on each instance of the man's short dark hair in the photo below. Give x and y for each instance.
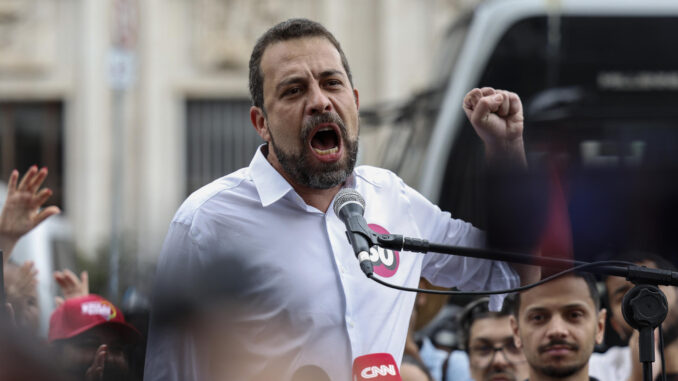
(286, 30)
(590, 282)
(479, 309)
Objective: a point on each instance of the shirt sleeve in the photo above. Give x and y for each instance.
(612, 365)
(464, 273)
(170, 353)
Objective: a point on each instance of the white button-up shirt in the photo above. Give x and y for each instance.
(308, 303)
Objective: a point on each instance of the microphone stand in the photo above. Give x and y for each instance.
(644, 307)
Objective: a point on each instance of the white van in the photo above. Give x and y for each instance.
(599, 85)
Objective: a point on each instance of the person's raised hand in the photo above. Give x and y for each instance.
(22, 209)
(22, 285)
(71, 286)
(96, 371)
(497, 117)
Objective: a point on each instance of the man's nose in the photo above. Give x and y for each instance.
(557, 328)
(499, 360)
(318, 102)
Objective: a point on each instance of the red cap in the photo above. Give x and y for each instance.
(375, 366)
(78, 315)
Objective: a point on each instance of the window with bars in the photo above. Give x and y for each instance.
(31, 133)
(219, 139)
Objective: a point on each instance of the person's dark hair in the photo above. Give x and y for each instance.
(286, 30)
(479, 309)
(590, 282)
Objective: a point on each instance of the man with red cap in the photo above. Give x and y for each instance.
(92, 339)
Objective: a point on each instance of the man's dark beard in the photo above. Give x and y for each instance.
(502, 372)
(559, 372)
(299, 165)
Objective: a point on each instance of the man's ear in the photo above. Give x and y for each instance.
(357, 97)
(259, 122)
(600, 333)
(514, 329)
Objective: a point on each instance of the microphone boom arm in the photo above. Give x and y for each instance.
(633, 273)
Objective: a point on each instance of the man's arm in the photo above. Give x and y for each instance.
(21, 212)
(497, 117)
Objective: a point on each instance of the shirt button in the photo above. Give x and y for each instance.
(341, 269)
(350, 323)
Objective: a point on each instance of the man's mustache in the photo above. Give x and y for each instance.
(501, 374)
(560, 343)
(326, 117)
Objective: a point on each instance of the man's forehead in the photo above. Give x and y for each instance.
(491, 326)
(560, 293)
(289, 57)
(615, 285)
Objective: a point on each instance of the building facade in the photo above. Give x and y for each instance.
(132, 104)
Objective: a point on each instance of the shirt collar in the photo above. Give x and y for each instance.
(270, 184)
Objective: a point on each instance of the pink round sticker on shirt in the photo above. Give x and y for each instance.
(384, 261)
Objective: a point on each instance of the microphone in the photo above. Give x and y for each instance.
(349, 206)
(375, 366)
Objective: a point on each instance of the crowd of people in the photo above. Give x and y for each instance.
(546, 333)
(235, 305)
(88, 337)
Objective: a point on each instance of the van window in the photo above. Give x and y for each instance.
(597, 91)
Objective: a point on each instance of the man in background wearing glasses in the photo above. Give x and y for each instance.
(484, 334)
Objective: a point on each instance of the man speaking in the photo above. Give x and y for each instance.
(307, 302)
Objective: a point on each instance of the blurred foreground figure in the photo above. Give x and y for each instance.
(557, 324)
(308, 303)
(92, 340)
(24, 358)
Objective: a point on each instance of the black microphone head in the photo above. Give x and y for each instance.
(348, 196)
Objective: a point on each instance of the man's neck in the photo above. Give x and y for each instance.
(671, 355)
(317, 198)
(581, 375)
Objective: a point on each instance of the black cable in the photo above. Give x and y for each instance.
(661, 352)
(517, 289)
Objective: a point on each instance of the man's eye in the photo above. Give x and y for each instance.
(510, 346)
(536, 318)
(576, 315)
(482, 350)
(292, 91)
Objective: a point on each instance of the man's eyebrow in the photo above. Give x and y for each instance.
(289, 81)
(329, 73)
(299, 79)
(621, 289)
(489, 340)
(574, 305)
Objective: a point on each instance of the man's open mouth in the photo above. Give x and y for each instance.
(326, 142)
